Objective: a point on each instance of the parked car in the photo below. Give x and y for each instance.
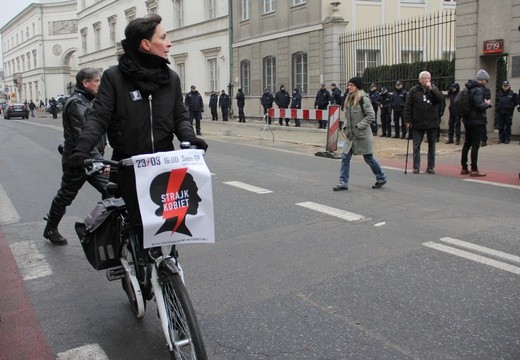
(16, 110)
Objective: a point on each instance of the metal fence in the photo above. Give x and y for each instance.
(413, 40)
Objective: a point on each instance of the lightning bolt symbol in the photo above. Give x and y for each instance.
(174, 184)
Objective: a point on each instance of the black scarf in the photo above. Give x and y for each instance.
(146, 72)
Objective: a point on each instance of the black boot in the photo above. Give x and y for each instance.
(51, 233)
(51, 229)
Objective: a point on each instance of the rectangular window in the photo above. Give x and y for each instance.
(366, 59)
(97, 35)
(299, 2)
(179, 13)
(299, 72)
(411, 56)
(245, 10)
(245, 76)
(270, 73)
(212, 74)
(212, 9)
(181, 71)
(84, 40)
(112, 29)
(268, 6)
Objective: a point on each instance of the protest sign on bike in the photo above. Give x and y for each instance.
(175, 197)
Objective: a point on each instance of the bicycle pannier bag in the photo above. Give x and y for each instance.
(98, 234)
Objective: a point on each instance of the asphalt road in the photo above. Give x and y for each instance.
(300, 272)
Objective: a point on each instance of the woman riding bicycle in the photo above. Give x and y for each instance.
(139, 105)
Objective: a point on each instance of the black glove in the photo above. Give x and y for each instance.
(75, 161)
(199, 143)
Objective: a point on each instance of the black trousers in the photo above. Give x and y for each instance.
(472, 138)
(214, 113)
(71, 182)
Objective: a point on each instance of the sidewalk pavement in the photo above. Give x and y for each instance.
(501, 162)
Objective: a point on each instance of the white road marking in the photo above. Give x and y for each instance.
(89, 351)
(342, 214)
(481, 249)
(474, 257)
(380, 223)
(392, 168)
(248, 187)
(31, 262)
(493, 183)
(8, 214)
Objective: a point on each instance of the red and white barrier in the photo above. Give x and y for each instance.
(302, 114)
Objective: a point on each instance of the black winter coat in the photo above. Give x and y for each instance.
(133, 120)
(322, 99)
(224, 101)
(399, 99)
(213, 101)
(75, 112)
(282, 99)
(477, 93)
(193, 101)
(506, 102)
(267, 100)
(241, 99)
(422, 107)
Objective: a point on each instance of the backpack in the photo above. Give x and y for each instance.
(463, 103)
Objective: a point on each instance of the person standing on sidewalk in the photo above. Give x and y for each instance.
(322, 101)
(375, 98)
(398, 101)
(32, 107)
(241, 102)
(475, 122)
(75, 113)
(360, 141)
(213, 105)
(386, 109)
(224, 102)
(193, 102)
(454, 121)
(267, 101)
(507, 100)
(421, 115)
(282, 99)
(54, 107)
(296, 103)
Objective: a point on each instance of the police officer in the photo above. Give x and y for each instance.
(507, 100)
(224, 102)
(282, 99)
(267, 101)
(385, 101)
(322, 101)
(398, 101)
(374, 97)
(193, 102)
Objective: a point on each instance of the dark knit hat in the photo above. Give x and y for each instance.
(357, 82)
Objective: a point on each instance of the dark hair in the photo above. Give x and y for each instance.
(141, 28)
(88, 74)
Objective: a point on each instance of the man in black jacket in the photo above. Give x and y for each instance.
(421, 115)
(475, 122)
(454, 121)
(75, 112)
(506, 103)
(375, 99)
(321, 102)
(398, 101)
(213, 105)
(282, 99)
(267, 101)
(140, 106)
(241, 102)
(193, 102)
(224, 102)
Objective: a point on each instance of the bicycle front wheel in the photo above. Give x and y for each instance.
(183, 326)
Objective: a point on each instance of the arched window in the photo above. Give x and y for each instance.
(245, 76)
(299, 71)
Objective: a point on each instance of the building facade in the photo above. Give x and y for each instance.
(198, 30)
(488, 37)
(39, 51)
(295, 42)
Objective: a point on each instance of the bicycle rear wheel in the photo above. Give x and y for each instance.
(183, 326)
